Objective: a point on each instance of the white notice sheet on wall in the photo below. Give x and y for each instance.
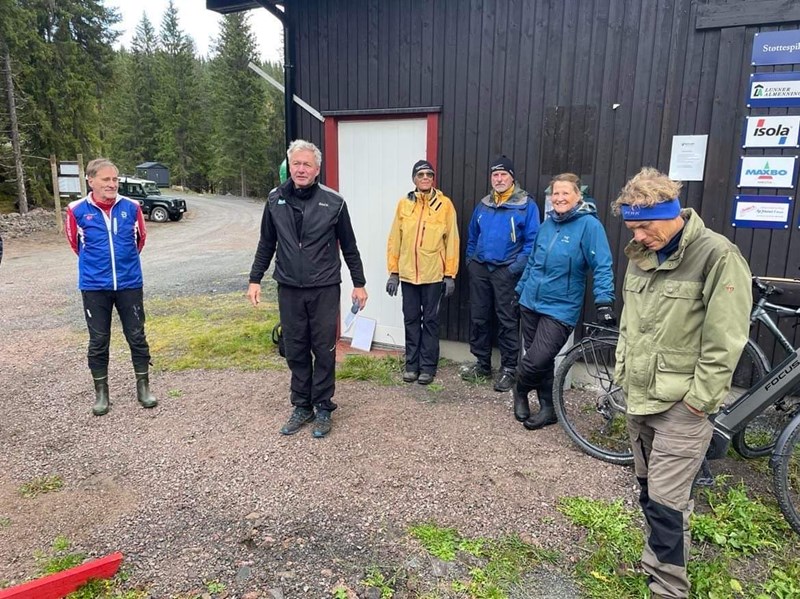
(688, 159)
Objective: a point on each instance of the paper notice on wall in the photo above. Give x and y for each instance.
(688, 158)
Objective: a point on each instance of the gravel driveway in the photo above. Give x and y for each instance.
(203, 488)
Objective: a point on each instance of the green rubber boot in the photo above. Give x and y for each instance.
(143, 390)
(102, 403)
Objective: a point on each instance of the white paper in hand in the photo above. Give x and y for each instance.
(351, 315)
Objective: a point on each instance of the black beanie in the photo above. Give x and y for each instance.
(502, 163)
(422, 165)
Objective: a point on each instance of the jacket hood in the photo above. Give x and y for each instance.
(585, 207)
(518, 199)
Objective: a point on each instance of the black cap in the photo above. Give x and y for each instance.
(422, 165)
(502, 163)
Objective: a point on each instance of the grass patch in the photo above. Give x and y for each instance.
(742, 548)
(439, 542)
(214, 587)
(737, 524)
(41, 485)
(376, 579)
(615, 547)
(60, 558)
(5, 521)
(386, 370)
(494, 566)
(212, 332)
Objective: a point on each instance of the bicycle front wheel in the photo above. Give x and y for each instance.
(590, 407)
(785, 464)
(758, 438)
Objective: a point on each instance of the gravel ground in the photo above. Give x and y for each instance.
(204, 488)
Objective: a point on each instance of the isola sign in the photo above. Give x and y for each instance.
(771, 132)
(767, 171)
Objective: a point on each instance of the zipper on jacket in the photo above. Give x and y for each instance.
(419, 238)
(107, 219)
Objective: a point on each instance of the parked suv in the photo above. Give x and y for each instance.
(156, 207)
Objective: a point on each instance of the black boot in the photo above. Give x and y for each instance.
(101, 400)
(522, 409)
(546, 414)
(143, 390)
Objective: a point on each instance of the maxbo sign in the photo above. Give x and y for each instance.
(776, 47)
(767, 171)
(771, 132)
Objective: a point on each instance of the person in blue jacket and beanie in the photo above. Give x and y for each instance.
(500, 237)
(571, 241)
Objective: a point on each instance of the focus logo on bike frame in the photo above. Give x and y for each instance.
(771, 132)
(782, 374)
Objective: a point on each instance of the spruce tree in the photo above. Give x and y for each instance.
(177, 104)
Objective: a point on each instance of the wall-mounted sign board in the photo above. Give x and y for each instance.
(762, 212)
(776, 47)
(767, 171)
(774, 89)
(771, 132)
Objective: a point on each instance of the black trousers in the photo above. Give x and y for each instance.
(309, 319)
(98, 307)
(493, 291)
(421, 320)
(543, 337)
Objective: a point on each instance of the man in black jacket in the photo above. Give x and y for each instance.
(306, 224)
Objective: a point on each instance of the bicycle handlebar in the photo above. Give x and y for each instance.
(765, 289)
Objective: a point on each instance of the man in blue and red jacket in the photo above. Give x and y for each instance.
(107, 233)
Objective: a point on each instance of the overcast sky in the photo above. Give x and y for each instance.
(201, 24)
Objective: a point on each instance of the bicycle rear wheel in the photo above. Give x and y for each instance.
(758, 438)
(785, 464)
(590, 407)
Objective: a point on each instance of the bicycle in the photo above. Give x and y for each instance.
(591, 408)
(759, 437)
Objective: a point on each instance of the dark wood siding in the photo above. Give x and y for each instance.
(538, 80)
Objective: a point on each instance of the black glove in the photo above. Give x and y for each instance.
(449, 286)
(392, 284)
(605, 315)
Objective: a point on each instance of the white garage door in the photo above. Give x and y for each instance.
(375, 160)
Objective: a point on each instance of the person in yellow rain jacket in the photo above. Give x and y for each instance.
(422, 255)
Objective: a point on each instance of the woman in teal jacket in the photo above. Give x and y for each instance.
(570, 242)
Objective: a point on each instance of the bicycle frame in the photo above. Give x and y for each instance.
(775, 385)
(760, 314)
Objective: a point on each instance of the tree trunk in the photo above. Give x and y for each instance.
(22, 198)
(243, 184)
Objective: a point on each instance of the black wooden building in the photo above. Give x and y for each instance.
(595, 87)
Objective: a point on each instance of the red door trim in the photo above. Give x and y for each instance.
(331, 142)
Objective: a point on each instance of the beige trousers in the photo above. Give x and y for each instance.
(668, 450)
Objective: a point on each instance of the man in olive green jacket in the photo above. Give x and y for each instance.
(687, 294)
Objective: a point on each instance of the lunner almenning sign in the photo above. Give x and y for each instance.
(774, 89)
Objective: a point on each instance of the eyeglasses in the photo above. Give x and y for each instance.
(425, 174)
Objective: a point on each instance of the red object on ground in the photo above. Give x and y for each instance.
(63, 583)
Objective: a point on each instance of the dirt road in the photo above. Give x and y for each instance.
(204, 489)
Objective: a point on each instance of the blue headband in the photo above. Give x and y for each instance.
(661, 211)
